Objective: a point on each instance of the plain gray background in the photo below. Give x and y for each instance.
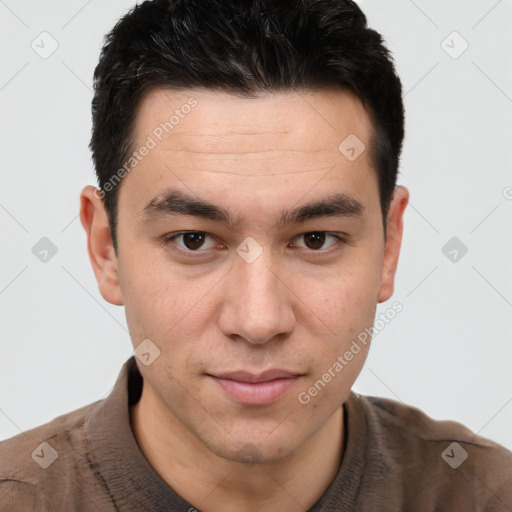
(448, 352)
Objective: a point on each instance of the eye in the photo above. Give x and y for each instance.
(314, 240)
(190, 240)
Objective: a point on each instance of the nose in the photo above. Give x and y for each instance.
(258, 304)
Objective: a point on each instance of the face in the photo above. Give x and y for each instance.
(252, 299)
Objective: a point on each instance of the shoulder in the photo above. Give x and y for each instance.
(457, 463)
(45, 456)
(411, 422)
(16, 495)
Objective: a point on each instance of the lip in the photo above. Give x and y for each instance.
(262, 389)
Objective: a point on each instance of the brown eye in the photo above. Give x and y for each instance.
(314, 240)
(193, 241)
(190, 241)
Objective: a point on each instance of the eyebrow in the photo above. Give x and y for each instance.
(173, 202)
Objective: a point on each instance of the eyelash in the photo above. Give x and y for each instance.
(166, 241)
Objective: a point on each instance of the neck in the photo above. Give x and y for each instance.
(214, 484)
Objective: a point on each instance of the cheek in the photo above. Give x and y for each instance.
(152, 304)
(347, 300)
(168, 311)
(347, 306)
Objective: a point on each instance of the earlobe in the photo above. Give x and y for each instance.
(93, 217)
(394, 231)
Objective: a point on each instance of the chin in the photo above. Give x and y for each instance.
(249, 451)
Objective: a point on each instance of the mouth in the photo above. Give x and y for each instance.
(256, 389)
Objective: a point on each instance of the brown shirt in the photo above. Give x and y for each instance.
(396, 458)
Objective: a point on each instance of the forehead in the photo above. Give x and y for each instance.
(221, 122)
(272, 149)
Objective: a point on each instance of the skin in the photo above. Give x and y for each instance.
(215, 312)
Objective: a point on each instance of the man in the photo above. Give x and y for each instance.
(248, 219)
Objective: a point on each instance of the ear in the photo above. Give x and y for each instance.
(394, 229)
(99, 244)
